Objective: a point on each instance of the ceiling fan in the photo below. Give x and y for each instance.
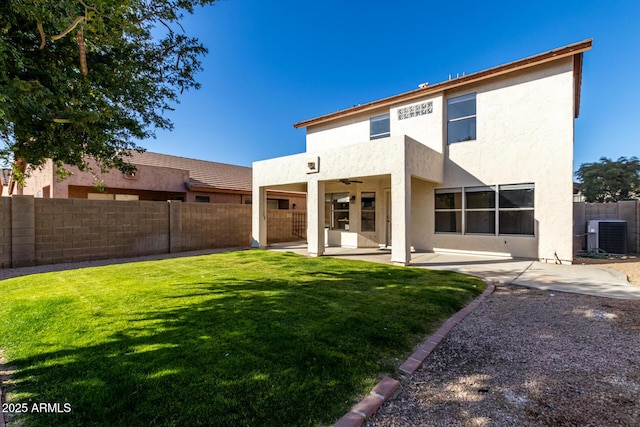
(350, 181)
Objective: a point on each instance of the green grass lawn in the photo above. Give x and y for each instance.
(248, 338)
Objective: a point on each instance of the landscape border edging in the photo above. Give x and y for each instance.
(388, 386)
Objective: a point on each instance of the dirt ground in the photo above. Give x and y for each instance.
(529, 357)
(629, 265)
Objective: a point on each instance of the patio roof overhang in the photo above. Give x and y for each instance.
(388, 156)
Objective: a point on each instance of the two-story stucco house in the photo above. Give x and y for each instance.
(482, 163)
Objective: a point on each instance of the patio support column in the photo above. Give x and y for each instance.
(259, 217)
(315, 217)
(401, 218)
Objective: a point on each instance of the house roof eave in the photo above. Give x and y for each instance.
(574, 50)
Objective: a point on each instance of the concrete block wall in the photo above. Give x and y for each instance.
(626, 210)
(37, 231)
(630, 211)
(579, 227)
(5, 232)
(71, 230)
(286, 225)
(212, 225)
(175, 226)
(22, 231)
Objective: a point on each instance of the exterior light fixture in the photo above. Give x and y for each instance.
(313, 164)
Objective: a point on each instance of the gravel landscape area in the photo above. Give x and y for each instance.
(529, 358)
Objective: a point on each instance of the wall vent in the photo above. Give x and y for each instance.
(609, 235)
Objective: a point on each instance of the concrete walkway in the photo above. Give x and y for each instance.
(582, 279)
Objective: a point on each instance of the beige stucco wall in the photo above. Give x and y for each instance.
(426, 128)
(524, 135)
(422, 214)
(395, 154)
(341, 133)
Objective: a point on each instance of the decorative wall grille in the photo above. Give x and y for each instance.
(415, 110)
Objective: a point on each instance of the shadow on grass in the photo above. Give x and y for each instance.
(247, 353)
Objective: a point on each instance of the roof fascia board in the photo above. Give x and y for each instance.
(577, 83)
(542, 58)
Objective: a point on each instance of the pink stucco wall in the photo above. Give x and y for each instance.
(152, 178)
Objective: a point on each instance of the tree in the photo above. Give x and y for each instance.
(609, 181)
(86, 79)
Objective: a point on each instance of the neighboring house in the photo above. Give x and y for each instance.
(158, 177)
(577, 192)
(477, 164)
(5, 175)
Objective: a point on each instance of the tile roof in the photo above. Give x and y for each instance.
(202, 174)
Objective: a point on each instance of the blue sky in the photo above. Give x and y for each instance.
(274, 63)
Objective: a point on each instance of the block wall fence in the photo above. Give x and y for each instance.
(37, 231)
(627, 210)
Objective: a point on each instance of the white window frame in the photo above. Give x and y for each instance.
(517, 209)
(379, 135)
(461, 98)
(449, 210)
(496, 209)
(493, 209)
(342, 197)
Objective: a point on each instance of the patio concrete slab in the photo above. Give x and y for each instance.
(582, 279)
(492, 269)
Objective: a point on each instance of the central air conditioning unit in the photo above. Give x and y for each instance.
(609, 235)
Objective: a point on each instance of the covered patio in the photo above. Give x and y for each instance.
(358, 196)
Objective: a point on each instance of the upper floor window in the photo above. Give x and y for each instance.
(461, 118)
(379, 126)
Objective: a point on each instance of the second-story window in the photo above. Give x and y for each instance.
(379, 127)
(461, 118)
